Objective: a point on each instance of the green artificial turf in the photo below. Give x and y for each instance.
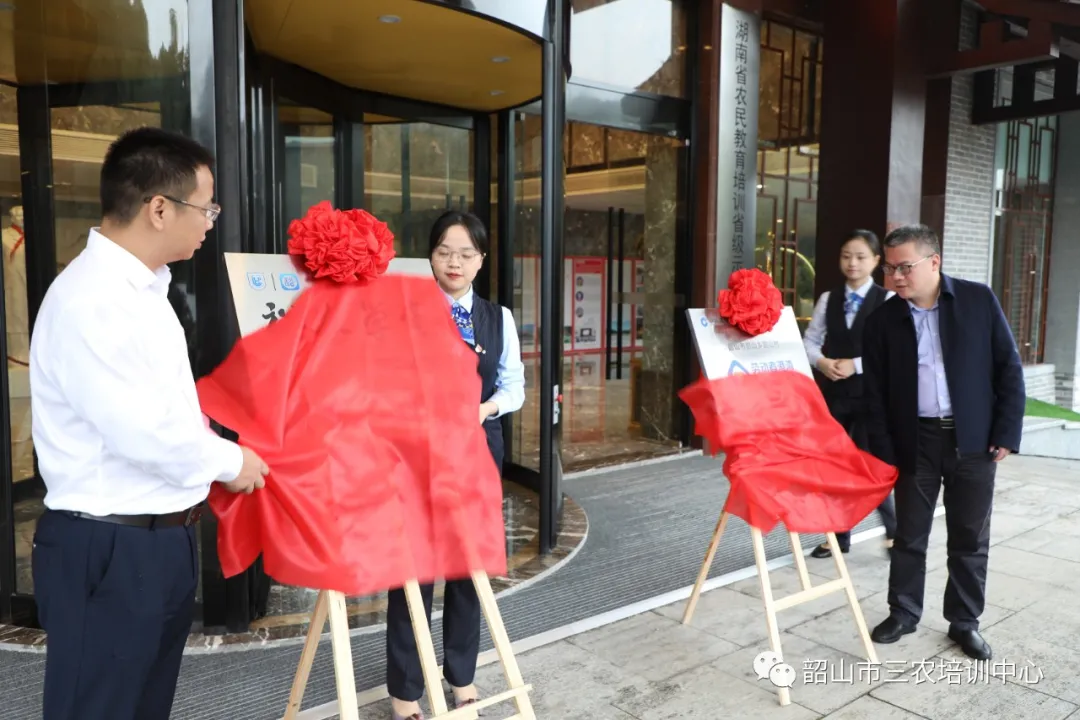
(1037, 408)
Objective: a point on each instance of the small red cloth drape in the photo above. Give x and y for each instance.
(787, 459)
(363, 401)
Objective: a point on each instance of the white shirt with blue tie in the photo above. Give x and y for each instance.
(814, 338)
(509, 393)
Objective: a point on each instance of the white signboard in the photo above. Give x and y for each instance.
(724, 351)
(264, 286)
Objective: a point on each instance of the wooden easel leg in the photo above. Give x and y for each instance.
(344, 674)
(425, 648)
(307, 657)
(501, 641)
(770, 609)
(800, 560)
(691, 605)
(853, 598)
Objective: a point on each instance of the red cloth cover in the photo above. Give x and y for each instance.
(362, 400)
(787, 458)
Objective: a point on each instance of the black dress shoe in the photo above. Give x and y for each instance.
(971, 642)
(891, 630)
(823, 551)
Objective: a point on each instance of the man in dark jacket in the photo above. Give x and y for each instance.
(945, 402)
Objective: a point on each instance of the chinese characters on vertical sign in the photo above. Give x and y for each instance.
(738, 195)
(737, 163)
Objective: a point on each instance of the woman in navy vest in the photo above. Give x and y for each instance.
(458, 245)
(834, 346)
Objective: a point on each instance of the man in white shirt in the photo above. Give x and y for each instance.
(124, 450)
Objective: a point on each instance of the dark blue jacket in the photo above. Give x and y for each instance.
(982, 369)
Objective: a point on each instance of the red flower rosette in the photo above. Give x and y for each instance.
(343, 245)
(751, 302)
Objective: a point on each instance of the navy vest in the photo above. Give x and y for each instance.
(487, 319)
(842, 342)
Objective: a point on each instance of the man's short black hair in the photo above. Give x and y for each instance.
(914, 233)
(146, 162)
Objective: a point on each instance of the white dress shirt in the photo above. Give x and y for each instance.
(814, 338)
(509, 393)
(116, 420)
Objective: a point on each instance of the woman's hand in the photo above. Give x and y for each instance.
(845, 368)
(827, 366)
(836, 369)
(487, 410)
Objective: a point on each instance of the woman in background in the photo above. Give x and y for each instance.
(833, 344)
(458, 245)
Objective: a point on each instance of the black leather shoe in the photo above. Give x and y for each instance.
(891, 630)
(971, 642)
(823, 551)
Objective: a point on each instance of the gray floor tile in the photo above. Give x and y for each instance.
(826, 678)
(708, 693)
(870, 708)
(973, 700)
(653, 646)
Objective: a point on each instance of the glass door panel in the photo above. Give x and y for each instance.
(413, 172)
(309, 173)
(619, 305)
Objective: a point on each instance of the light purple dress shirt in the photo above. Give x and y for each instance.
(934, 400)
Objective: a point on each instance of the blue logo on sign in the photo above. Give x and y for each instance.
(704, 321)
(257, 281)
(736, 368)
(289, 281)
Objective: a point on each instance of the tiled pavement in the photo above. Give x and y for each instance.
(651, 667)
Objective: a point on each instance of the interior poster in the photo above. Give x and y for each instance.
(568, 305)
(588, 304)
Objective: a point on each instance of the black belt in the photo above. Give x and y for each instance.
(945, 423)
(182, 518)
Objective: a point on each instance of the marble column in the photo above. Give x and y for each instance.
(656, 393)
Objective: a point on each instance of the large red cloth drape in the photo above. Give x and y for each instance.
(786, 457)
(363, 401)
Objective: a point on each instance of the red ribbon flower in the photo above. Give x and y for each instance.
(751, 302)
(343, 245)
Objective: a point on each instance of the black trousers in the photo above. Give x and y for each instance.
(853, 422)
(461, 639)
(117, 604)
(968, 497)
(460, 622)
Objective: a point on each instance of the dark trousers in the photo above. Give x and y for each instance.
(853, 422)
(969, 494)
(460, 622)
(117, 604)
(461, 639)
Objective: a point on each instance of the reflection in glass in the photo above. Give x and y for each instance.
(122, 65)
(1023, 214)
(637, 44)
(413, 173)
(789, 122)
(308, 177)
(621, 200)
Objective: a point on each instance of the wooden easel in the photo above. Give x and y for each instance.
(808, 592)
(343, 668)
